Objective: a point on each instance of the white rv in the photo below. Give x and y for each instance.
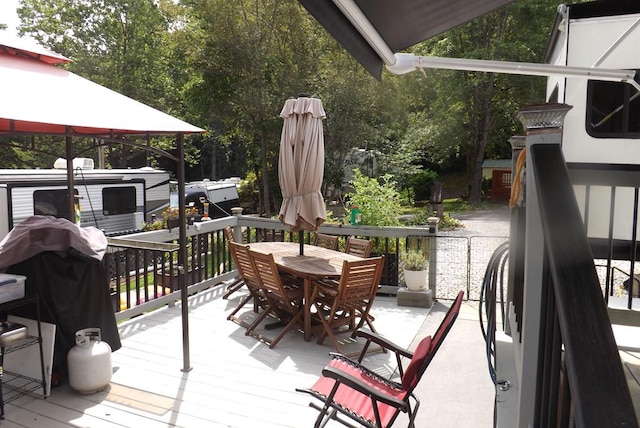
(602, 130)
(222, 195)
(114, 200)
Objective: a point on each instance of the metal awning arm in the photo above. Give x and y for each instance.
(406, 63)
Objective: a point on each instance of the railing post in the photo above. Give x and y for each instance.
(543, 124)
(237, 230)
(516, 233)
(433, 255)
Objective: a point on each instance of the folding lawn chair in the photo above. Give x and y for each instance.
(347, 388)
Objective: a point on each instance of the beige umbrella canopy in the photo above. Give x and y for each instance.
(301, 164)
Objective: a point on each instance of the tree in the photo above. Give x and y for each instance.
(121, 45)
(467, 113)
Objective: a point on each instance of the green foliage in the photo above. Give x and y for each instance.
(378, 201)
(248, 193)
(449, 223)
(228, 67)
(415, 260)
(421, 183)
(331, 219)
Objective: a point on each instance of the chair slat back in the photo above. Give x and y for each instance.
(268, 275)
(423, 354)
(241, 258)
(359, 280)
(228, 234)
(359, 247)
(326, 241)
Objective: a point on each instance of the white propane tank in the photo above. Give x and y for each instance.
(89, 362)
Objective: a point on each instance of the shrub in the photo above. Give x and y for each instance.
(415, 260)
(378, 201)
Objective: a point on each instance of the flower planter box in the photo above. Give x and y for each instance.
(170, 280)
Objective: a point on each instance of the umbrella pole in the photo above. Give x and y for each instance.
(301, 239)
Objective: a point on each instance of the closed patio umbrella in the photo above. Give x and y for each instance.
(301, 165)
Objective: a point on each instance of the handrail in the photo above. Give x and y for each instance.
(582, 321)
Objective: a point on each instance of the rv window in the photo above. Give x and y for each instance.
(118, 200)
(51, 202)
(613, 110)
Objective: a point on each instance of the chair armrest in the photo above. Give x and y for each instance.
(359, 366)
(328, 288)
(383, 342)
(356, 384)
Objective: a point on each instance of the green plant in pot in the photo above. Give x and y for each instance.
(416, 269)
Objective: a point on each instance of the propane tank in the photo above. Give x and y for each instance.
(89, 362)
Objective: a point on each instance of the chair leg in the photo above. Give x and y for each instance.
(297, 319)
(240, 305)
(328, 332)
(258, 320)
(233, 287)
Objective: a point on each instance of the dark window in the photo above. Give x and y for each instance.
(51, 202)
(613, 110)
(118, 200)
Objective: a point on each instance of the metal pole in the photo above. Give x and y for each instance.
(70, 186)
(182, 256)
(301, 239)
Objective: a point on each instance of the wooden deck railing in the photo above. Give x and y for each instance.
(142, 268)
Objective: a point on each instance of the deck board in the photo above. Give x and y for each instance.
(234, 381)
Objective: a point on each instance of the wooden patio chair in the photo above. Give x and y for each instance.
(345, 308)
(237, 282)
(242, 259)
(326, 241)
(285, 301)
(348, 388)
(359, 247)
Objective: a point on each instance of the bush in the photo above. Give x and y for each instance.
(378, 201)
(421, 184)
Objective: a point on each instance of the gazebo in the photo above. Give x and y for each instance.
(41, 98)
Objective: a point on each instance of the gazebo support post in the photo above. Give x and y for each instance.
(182, 256)
(70, 185)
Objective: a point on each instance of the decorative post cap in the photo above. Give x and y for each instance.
(518, 142)
(539, 116)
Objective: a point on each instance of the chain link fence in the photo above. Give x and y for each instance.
(462, 263)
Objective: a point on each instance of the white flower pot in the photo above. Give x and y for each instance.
(416, 280)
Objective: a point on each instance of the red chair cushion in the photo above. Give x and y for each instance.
(355, 401)
(411, 373)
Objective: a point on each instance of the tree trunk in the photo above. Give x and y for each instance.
(266, 198)
(481, 122)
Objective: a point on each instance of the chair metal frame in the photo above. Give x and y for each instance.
(348, 388)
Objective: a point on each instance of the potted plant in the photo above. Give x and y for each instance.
(416, 269)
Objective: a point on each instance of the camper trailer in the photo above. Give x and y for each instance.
(603, 126)
(114, 200)
(221, 195)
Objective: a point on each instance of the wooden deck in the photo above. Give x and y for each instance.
(236, 381)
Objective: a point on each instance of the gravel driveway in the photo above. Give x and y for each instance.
(485, 222)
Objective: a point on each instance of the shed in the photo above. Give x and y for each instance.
(499, 172)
